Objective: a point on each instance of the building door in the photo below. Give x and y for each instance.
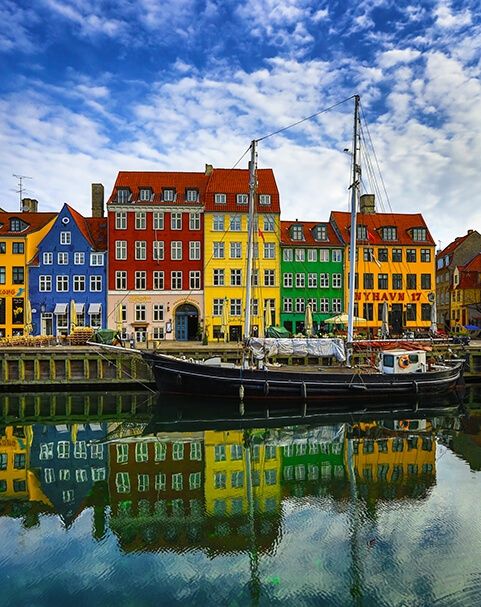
(235, 333)
(396, 318)
(46, 324)
(186, 322)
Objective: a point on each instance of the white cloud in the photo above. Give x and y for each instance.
(392, 57)
(445, 18)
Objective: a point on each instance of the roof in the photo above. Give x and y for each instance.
(452, 246)
(157, 181)
(470, 274)
(34, 221)
(236, 181)
(404, 222)
(94, 229)
(474, 265)
(309, 239)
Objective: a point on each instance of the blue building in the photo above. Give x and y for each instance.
(68, 276)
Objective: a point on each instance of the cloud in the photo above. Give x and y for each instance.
(392, 57)
(445, 18)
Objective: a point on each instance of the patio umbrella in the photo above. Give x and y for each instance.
(268, 314)
(225, 319)
(27, 329)
(342, 319)
(434, 320)
(308, 320)
(73, 316)
(118, 318)
(384, 321)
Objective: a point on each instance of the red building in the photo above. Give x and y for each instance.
(155, 249)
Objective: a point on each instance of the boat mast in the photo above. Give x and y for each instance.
(355, 188)
(250, 241)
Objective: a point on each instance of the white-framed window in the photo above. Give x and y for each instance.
(287, 255)
(65, 237)
(324, 305)
(96, 259)
(96, 451)
(158, 312)
(324, 281)
(336, 281)
(79, 283)
(145, 194)
(160, 481)
(123, 195)
(194, 280)
(120, 249)
(269, 250)
(220, 479)
(242, 198)
(264, 199)
(68, 496)
(46, 451)
(236, 250)
(141, 280)
(140, 312)
(196, 451)
(160, 452)
(336, 255)
(158, 332)
(63, 449)
(178, 451)
(158, 250)
(141, 452)
(269, 223)
(313, 302)
(158, 220)
(235, 307)
(194, 249)
(62, 284)
(62, 259)
(141, 250)
(95, 283)
(300, 305)
(44, 283)
(269, 278)
(287, 280)
(79, 258)
(140, 220)
(218, 250)
(158, 280)
(218, 223)
(122, 453)
(236, 452)
(176, 250)
(312, 280)
(168, 195)
(235, 277)
(336, 305)
(120, 220)
(122, 482)
(324, 255)
(299, 254)
(195, 480)
(176, 221)
(311, 255)
(254, 307)
(49, 475)
(220, 198)
(219, 453)
(176, 280)
(177, 482)
(47, 259)
(235, 224)
(121, 280)
(98, 474)
(217, 305)
(218, 277)
(194, 221)
(300, 281)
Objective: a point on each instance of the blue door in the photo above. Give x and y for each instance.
(186, 322)
(181, 327)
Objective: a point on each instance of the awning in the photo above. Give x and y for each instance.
(60, 308)
(79, 308)
(95, 308)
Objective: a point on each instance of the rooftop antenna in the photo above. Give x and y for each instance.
(20, 186)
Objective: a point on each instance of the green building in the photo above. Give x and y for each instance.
(311, 273)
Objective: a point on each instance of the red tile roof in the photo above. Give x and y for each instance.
(404, 222)
(474, 265)
(34, 221)
(452, 246)
(470, 274)
(94, 229)
(236, 181)
(309, 239)
(157, 181)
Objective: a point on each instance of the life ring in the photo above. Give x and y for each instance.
(404, 424)
(403, 361)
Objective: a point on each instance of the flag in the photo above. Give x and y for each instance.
(261, 234)
(370, 236)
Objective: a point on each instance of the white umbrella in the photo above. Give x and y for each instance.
(342, 319)
(225, 319)
(384, 321)
(73, 316)
(434, 319)
(308, 320)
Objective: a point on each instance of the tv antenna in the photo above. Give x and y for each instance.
(20, 186)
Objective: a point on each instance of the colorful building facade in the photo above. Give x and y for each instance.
(312, 267)
(466, 296)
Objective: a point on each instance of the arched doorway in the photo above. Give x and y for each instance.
(186, 322)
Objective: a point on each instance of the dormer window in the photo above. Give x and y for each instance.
(264, 199)
(168, 195)
(361, 232)
(191, 195)
(297, 232)
(146, 195)
(320, 232)
(123, 195)
(420, 234)
(220, 198)
(242, 198)
(17, 225)
(389, 233)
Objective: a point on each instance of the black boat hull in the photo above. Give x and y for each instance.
(185, 378)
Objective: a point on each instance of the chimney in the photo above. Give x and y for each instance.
(368, 204)
(470, 231)
(97, 200)
(29, 205)
(208, 169)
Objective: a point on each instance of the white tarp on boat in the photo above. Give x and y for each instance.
(279, 346)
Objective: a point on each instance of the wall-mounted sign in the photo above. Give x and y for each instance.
(389, 296)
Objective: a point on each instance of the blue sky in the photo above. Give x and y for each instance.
(90, 87)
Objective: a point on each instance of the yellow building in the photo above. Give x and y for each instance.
(395, 268)
(20, 234)
(14, 452)
(225, 254)
(227, 474)
(466, 296)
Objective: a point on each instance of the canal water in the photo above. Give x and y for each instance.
(116, 499)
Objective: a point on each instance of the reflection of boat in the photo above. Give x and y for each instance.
(402, 373)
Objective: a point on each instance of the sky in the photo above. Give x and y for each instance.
(93, 87)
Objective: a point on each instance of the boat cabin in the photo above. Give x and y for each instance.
(403, 361)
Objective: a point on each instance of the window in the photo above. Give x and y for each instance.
(79, 283)
(3, 276)
(324, 255)
(287, 304)
(235, 278)
(191, 195)
(218, 277)
(96, 259)
(141, 452)
(141, 280)
(235, 224)
(269, 278)
(62, 284)
(336, 305)
(313, 303)
(3, 247)
(218, 223)
(47, 259)
(368, 311)
(217, 305)
(194, 221)
(160, 451)
(158, 312)
(368, 280)
(65, 237)
(264, 199)
(176, 281)
(46, 451)
(176, 250)
(426, 255)
(336, 255)
(194, 280)
(337, 281)
(397, 282)
(158, 250)
(140, 249)
(324, 281)
(218, 250)
(368, 253)
(382, 255)
(18, 247)
(287, 279)
(397, 255)
(269, 223)
(194, 249)
(312, 280)
(95, 283)
(411, 281)
(235, 307)
(300, 305)
(300, 281)
(140, 312)
(411, 255)
(425, 281)
(389, 233)
(62, 259)
(361, 232)
(158, 220)
(320, 232)
(18, 275)
(79, 259)
(168, 195)
(123, 195)
(176, 221)
(382, 281)
(287, 255)
(299, 255)
(195, 480)
(411, 312)
(297, 232)
(237, 479)
(44, 283)
(63, 449)
(220, 198)
(120, 220)
(158, 280)
(324, 305)
(121, 249)
(269, 250)
(419, 234)
(242, 198)
(122, 482)
(236, 250)
(425, 311)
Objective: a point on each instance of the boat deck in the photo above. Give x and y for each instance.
(316, 369)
